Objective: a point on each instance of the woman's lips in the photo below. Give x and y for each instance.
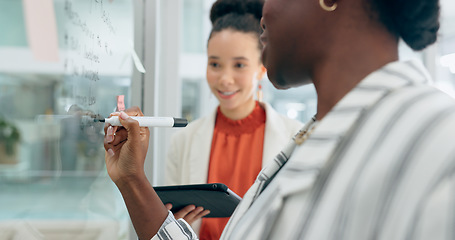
(226, 95)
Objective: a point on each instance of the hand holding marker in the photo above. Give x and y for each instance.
(149, 121)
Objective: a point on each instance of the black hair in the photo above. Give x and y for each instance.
(238, 15)
(415, 21)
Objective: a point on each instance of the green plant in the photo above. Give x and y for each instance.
(9, 136)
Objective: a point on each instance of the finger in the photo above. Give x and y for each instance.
(184, 211)
(108, 137)
(109, 149)
(113, 139)
(196, 214)
(106, 125)
(120, 136)
(114, 114)
(131, 125)
(191, 215)
(168, 206)
(109, 134)
(134, 111)
(202, 214)
(192, 218)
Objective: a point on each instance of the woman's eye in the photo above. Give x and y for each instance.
(214, 65)
(240, 65)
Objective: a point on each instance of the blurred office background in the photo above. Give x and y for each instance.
(53, 182)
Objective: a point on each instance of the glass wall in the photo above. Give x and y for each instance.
(62, 63)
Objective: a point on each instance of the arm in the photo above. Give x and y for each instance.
(125, 157)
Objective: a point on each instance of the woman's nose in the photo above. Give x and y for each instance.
(226, 78)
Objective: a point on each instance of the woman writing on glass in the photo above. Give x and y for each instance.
(378, 160)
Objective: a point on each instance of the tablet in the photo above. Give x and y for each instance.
(216, 197)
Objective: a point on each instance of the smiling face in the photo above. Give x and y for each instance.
(233, 69)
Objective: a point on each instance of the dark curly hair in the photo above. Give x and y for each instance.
(415, 21)
(238, 15)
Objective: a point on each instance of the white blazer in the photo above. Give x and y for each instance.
(189, 151)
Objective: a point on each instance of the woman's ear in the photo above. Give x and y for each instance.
(261, 72)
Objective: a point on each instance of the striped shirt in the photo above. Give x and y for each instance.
(379, 165)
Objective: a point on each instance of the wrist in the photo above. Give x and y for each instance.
(131, 181)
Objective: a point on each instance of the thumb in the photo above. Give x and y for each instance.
(131, 125)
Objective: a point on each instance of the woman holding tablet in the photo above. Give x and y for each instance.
(377, 161)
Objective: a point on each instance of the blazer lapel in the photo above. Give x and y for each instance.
(200, 150)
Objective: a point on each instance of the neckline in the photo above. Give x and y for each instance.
(245, 125)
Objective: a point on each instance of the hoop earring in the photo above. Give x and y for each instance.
(259, 92)
(327, 8)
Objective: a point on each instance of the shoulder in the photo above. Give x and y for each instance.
(422, 96)
(417, 117)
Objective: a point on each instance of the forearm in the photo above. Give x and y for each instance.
(145, 208)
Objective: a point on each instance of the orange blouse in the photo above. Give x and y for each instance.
(235, 159)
